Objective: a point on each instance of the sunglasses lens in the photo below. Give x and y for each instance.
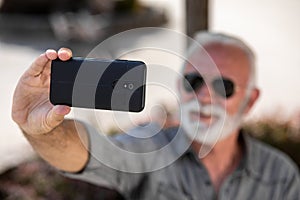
(192, 82)
(223, 87)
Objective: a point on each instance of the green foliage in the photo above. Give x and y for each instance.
(127, 6)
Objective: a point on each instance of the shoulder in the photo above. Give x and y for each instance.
(270, 164)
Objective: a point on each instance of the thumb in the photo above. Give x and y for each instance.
(56, 115)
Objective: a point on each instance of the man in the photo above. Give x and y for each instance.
(209, 157)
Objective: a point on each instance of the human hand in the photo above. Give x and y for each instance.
(31, 108)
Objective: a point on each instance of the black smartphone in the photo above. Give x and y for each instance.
(101, 84)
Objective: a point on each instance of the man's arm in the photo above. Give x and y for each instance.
(65, 147)
(61, 143)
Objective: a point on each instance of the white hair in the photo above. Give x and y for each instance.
(205, 38)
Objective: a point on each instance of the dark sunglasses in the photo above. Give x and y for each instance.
(222, 86)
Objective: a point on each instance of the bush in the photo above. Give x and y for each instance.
(281, 135)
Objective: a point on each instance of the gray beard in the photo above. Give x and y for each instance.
(208, 135)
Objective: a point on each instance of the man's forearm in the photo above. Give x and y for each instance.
(66, 147)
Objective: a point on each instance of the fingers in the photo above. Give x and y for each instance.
(61, 110)
(41, 62)
(56, 115)
(51, 54)
(38, 65)
(64, 54)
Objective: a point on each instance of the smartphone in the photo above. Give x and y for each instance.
(100, 84)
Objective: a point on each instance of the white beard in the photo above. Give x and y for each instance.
(208, 134)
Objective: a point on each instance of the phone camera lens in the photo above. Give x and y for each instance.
(130, 86)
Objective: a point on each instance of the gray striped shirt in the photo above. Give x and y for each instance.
(264, 172)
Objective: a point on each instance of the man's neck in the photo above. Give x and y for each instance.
(222, 160)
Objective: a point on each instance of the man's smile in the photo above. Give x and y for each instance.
(201, 116)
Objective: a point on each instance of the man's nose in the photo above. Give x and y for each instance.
(203, 94)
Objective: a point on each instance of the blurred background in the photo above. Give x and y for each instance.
(29, 27)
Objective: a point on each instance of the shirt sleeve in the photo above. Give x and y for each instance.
(292, 188)
(106, 167)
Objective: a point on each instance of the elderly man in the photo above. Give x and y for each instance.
(207, 157)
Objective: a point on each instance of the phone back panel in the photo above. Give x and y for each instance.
(101, 84)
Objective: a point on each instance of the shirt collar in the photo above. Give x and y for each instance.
(249, 162)
(252, 161)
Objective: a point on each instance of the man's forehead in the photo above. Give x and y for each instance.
(217, 59)
(204, 66)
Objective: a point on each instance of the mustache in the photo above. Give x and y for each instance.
(207, 109)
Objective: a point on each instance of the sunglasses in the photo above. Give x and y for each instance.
(222, 86)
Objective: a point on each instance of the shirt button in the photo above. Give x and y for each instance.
(207, 182)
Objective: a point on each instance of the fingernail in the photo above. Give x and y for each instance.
(50, 51)
(62, 110)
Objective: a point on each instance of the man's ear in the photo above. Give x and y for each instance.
(253, 98)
